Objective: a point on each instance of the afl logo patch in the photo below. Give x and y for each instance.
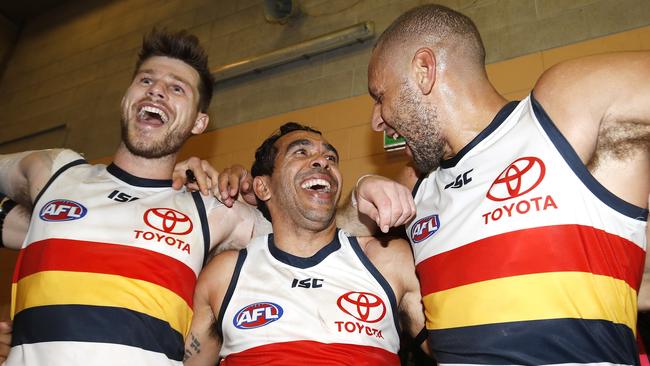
(257, 315)
(424, 228)
(62, 210)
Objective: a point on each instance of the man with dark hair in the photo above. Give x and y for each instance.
(108, 269)
(308, 293)
(531, 224)
(265, 158)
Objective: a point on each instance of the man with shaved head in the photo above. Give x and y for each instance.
(530, 234)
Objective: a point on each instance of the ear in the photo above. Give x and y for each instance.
(200, 123)
(424, 69)
(261, 187)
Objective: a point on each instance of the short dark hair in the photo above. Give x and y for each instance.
(184, 47)
(266, 153)
(437, 23)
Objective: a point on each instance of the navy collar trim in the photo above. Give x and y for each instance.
(122, 175)
(301, 262)
(496, 122)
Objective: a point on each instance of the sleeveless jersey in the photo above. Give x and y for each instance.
(107, 274)
(333, 308)
(523, 257)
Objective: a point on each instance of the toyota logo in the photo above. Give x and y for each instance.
(519, 178)
(362, 306)
(168, 221)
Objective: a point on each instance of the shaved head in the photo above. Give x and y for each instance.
(438, 27)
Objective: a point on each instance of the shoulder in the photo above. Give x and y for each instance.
(218, 272)
(384, 246)
(593, 79)
(389, 255)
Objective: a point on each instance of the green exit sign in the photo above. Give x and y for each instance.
(391, 144)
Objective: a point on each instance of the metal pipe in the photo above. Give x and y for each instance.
(327, 42)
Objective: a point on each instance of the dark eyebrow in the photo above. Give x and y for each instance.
(301, 142)
(332, 149)
(175, 77)
(307, 142)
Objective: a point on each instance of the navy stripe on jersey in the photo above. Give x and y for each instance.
(378, 276)
(501, 116)
(573, 160)
(200, 206)
(100, 324)
(531, 343)
(414, 191)
(231, 289)
(128, 178)
(300, 262)
(56, 174)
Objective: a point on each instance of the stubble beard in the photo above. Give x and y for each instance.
(170, 143)
(419, 124)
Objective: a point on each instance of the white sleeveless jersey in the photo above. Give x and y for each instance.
(107, 274)
(333, 308)
(523, 257)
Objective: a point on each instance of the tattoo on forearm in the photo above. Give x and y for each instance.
(194, 347)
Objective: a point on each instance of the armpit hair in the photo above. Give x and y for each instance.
(621, 141)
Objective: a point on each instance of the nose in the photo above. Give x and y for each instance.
(156, 90)
(320, 162)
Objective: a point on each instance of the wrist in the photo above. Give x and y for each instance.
(353, 197)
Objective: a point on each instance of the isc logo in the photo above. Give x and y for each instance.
(424, 228)
(62, 210)
(257, 315)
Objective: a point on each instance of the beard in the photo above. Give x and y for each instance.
(419, 125)
(169, 144)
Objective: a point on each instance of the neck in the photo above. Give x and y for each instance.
(478, 104)
(302, 242)
(159, 168)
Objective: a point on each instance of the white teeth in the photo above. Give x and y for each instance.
(316, 182)
(158, 111)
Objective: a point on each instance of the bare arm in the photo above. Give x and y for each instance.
(23, 175)
(233, 227)
(14, 228)
(601, 105)
(202, 344)
(411, 310)
(380, 203)
(394, 260)
(5, 340)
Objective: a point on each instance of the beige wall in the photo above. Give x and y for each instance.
(64, 80)
(345, 122)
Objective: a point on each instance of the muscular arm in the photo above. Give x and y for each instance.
(394, 260)
(23, 175)
(202, 344)
(15, 227)
(600, 104)
(411, 310)
(381, 204)
(233, 227)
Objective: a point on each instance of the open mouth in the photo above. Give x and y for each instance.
(317, 185)
(152, 114)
